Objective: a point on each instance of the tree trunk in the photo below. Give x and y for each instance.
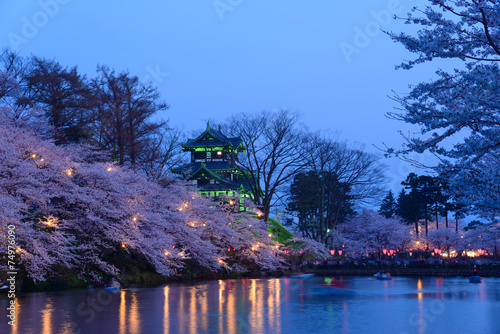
(321, 210)
(416, 225)
(437, 221)
(426, 222)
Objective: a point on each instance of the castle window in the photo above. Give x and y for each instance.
(219, 153)
(199, 156)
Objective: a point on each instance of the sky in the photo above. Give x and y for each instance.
(327, 59)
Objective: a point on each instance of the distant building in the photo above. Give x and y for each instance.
(213, 167)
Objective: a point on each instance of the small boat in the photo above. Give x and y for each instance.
(475, 279)
(3, 287)
(382, 276)
(113, 285)
(303, 276)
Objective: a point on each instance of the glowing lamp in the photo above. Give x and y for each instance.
(340, 252)
(432, 253)
(384, 251)
(410, 253)
(332, 252)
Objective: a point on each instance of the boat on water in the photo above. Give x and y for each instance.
(3, 286)
(112, 285)
(303, 276)
(382, 276)
(475, 279)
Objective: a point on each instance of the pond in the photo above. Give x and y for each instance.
(274, 305)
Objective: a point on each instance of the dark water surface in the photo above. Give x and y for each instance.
(403, 305)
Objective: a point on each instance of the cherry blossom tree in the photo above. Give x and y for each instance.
(444, 239)
(371, 231)
(458, 112)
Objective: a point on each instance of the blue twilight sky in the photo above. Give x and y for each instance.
(211, 58)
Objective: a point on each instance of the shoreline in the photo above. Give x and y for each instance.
(410, 272)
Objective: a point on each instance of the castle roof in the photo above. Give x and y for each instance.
(211, 137)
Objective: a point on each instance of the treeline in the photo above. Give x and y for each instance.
(425, 198)
(112, 111)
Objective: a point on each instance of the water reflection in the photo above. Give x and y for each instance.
(18, 313)
(166, 310)
(123, 312)
(47, 317)
(134, 318)
(267, 306)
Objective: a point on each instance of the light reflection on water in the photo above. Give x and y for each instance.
(403, 305)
